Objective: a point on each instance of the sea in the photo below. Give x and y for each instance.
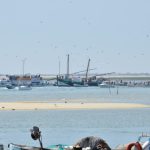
(115, 126)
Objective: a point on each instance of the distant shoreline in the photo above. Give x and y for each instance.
(67, 106)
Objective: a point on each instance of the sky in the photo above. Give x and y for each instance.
(114, 34)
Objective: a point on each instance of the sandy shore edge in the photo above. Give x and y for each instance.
(67, 106)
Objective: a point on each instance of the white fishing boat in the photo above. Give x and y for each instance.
(23, 87)
(106, 84)
(12, 146)
(23, 84)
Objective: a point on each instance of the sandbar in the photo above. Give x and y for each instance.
(67, 106)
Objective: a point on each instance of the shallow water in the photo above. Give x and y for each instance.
(67, 126)
(89, 94)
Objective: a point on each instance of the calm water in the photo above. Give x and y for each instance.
(67, 126)
(89, 94)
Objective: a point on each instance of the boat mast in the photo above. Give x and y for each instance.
(68, 66)
(23, 64)
(87, 70)
(59, 68)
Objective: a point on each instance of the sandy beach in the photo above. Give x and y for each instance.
(66, 106)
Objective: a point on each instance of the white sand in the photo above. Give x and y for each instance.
(66, 106)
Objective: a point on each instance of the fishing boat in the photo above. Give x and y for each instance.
(36, 135)
(23, 87)
(4, 80)
(24, 81)
(10, 86)
(106, 84)
(71, 80)
(12, 146)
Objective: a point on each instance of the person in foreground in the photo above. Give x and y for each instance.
(95, 143)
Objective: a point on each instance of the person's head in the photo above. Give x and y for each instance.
(95, 143)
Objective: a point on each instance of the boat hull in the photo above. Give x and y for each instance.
(23, 147)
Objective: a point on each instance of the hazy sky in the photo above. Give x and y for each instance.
(115, 34)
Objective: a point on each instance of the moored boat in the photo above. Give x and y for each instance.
(106, 84)
(10, 86)
(12, 146)
(23, 87)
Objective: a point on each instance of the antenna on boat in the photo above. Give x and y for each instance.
(36, 135)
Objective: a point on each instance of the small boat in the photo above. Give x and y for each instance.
(12, 146)
(36, 135)
(10, 86)
(106, 84)
(23, 87)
